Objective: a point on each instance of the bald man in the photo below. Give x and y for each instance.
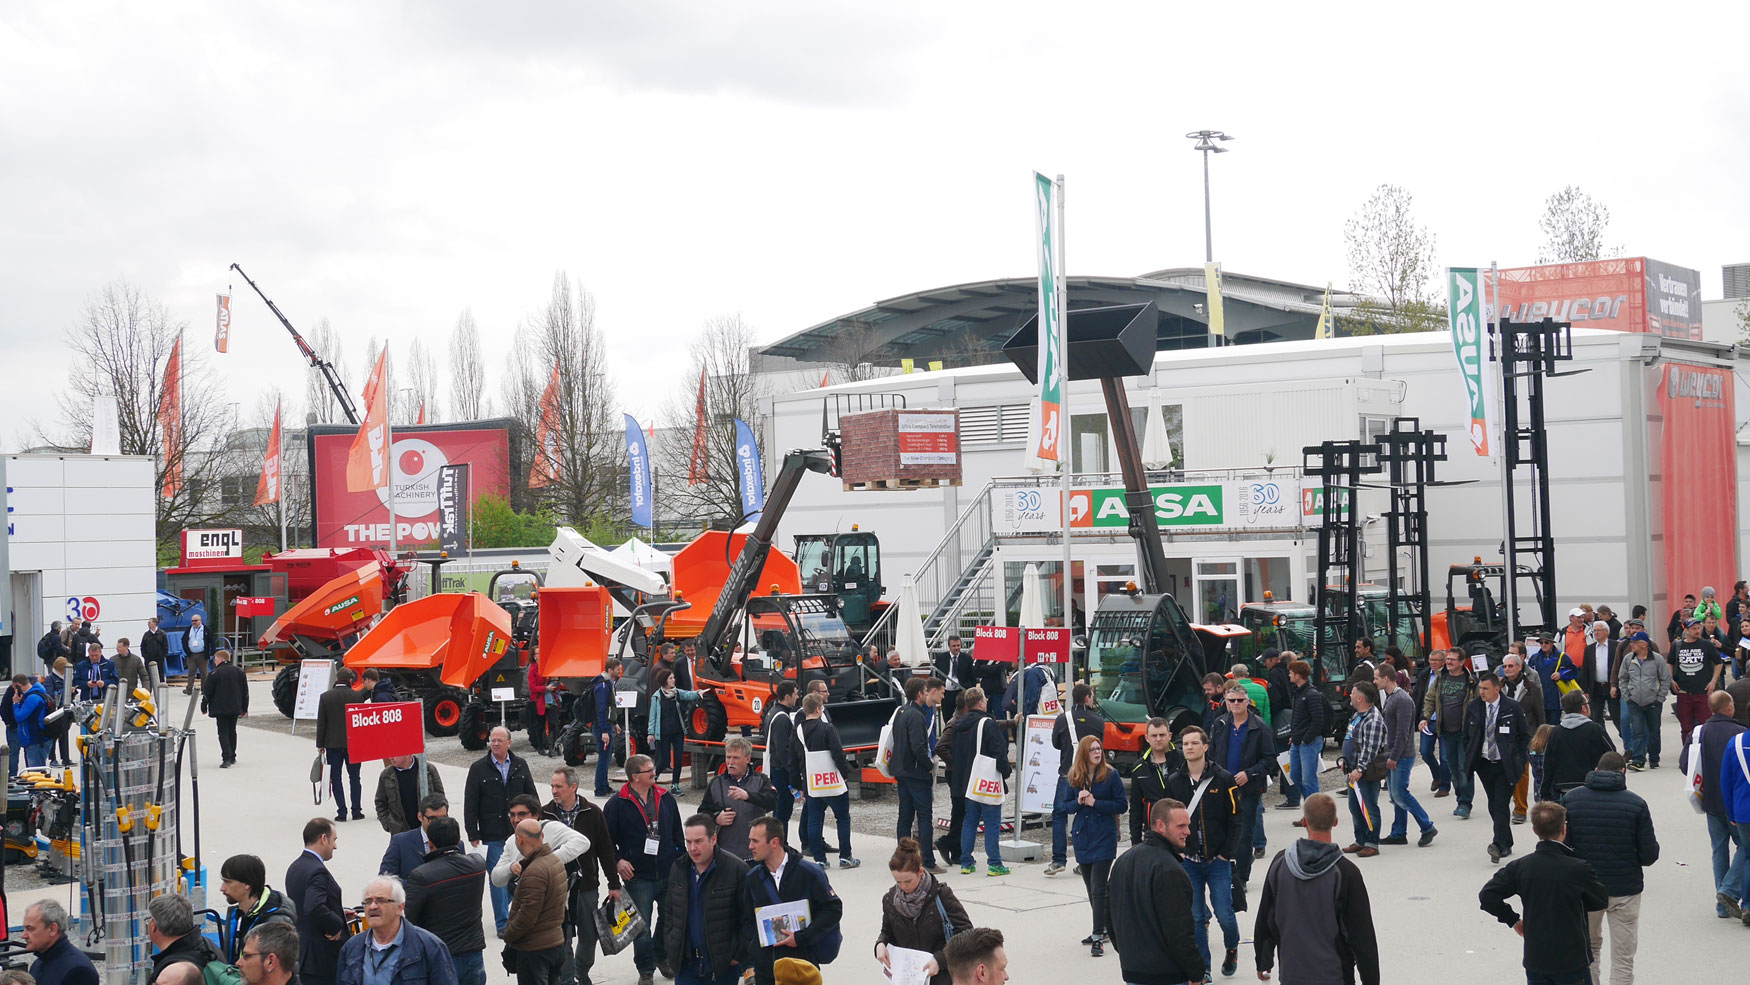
(536, 931)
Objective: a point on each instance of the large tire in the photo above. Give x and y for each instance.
(285, 689)
(443, 711)
(575, 744)
(473, 729)
(708, 720)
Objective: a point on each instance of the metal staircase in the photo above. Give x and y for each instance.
(956, 583)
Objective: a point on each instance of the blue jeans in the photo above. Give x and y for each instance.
(12, 750)
(1060, 825)
(917, 814)
(814, 819)
(668, 757)
(992, 817)
(604, 760)
(500, 894)
(1303, 769)
(1744, 845)
(470, 967)
(1366, 832)
(1641, 722)
(1728, 864)
(1452, 751)
(1404, 804)
(1249, 822)
(1430, 749)
(37, 754)
(1217, 877)
(647, 949)
(786, 797)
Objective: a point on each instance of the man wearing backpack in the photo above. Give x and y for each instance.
(600, 712)
(50, 646)
(30, 704)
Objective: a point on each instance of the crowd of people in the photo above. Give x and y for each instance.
(728, 890)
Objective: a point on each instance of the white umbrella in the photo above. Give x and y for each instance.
(1157, 449)
(643, 555)
(1032, 599)
(913, 648)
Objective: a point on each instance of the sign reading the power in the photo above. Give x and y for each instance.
(383, 731)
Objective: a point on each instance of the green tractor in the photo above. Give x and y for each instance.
(847, 565)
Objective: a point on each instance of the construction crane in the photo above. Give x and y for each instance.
(315, 358)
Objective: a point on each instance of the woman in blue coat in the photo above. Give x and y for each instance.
(1094, 797)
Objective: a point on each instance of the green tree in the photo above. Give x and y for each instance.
(1391, 261)
(497, 525)
(1573, 226)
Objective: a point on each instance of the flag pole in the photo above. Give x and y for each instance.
(279, 478)
(389, 450)
(1064, 454)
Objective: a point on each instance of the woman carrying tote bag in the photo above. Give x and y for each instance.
(1094, 797)
(919, 912)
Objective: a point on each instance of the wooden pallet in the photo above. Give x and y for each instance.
(877, 485)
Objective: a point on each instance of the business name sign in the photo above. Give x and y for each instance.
(1234, 504)
(453, 509)
(212, 545)
(1464, 293)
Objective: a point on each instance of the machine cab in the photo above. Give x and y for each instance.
(1144, 660)
(847, 565)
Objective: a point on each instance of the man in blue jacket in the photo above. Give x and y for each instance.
(645, 823)
(30, 704)
(601, 703)
(393, 951)
(1243, 745)
(94, 675)
(1735, 793)
(58, 961)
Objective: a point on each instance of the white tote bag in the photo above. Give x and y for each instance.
(1693, 774)
(985, 785)
(824, 778)
(884, 749)
(1050, 698)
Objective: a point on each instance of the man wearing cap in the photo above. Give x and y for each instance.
(1674, 628)
(1695, 673)
(1552, 667)
(1574, 637)
(1642, 681)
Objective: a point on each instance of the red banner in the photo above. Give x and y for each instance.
(996, 643)
(253, 605)
(1626, 294)
(547, 468)
(361, 519)
(384, 731)
(1698, 485)
(1044, 646)
(267, 488)
(222, 324)
(367, 463)
(170, 421)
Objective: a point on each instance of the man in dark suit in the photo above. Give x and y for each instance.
(155, 647)
(226, 698)
(94, 676)
(408, 849)
(321, 915)
(331, 741)
(492, 781)
(199, 641)
(1496, 749)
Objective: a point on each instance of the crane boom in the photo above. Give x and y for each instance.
(315, 358)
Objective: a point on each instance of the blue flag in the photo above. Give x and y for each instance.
(750, 471)
(639, 456)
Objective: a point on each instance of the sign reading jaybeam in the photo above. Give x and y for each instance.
(1464, 287)
(1235, 504)
(1048, 427)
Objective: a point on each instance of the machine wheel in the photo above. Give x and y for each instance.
(575, 744)
(443, 711)
(708, 720)
(285, 689)
(473, 728)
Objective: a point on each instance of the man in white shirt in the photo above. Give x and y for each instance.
(1599, 651)
(566, 842)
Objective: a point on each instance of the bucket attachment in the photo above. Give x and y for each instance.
(342, 607)
(576, 631)
(461, 635)
(701, 568)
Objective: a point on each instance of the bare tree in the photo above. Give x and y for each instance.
(1391, 259)
(467, 370)
(585, 450)
(855, 348)
(317, 395)
(416, 387)
(120, 344)
(732, 390)
(1573, 226)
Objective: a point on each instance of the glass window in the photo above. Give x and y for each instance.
(1088, 435)
(1050, 585)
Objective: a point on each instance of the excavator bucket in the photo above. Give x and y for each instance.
(342, 607)
(460, 635)
(701, 568)
(577, 627)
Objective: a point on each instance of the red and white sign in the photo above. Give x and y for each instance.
(1697, 421)
(1624, 294)
(249, 606)
(211, 548)
(361, 519)
(996, 643)
(383, 731)
(928, 439)
(83, 607)
(1045, 646)
(222, 324)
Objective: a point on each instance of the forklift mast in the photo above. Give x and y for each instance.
(1339, 466)
(1409, 454)
(744, 575)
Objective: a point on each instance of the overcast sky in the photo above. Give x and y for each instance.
(386, 165)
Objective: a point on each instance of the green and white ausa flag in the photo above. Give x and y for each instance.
(1045, 429)
(1464, 307)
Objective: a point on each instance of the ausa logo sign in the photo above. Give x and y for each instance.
(1175, 506)
(1465, 313)
(338, 606)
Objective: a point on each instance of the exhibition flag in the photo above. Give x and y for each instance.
(222, 330)
(1047, 426)
(170, 421)
(749, 471)
(367, 461)
(638, 455)
(267, 488)
(1212, 292)
(1324, 329)
(547, 468)
(1464, 307)
(698, 470)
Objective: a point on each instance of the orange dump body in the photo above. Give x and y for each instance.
(576, 630)
(461, 635)
(343, 606)
(701, 568)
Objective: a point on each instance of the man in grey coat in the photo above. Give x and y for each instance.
(737, 796)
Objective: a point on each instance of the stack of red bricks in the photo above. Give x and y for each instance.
(901, 449)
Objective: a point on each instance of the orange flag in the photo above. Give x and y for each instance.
(823, 380)
(698, 471)
(547, 468)
(367, 462)
(267, 488)
(421, 413)
(170, 421)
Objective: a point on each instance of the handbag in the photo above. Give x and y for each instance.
(316, 778)
(948, 925)
(617, 924)
(1566, 687)
(984, 784)
(824, 778)
(884, 747)
(1693, 774)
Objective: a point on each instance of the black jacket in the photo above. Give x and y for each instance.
(781, 741)
(592, 824)
(819, 735)
(1150, 915)
(1557, 889)
(486, 798)
(320, 913)
(275, 907)
(627, 829)
(331, 715)
(1215, 824)
(1088, 721)
(945, 750)
(1257, 751)
(1572, 754)
(761, 798)
(226, 691)
(1716, 734)
(63, 964)
(154, 648)
(817, 943)
(927, 931)
(190, 947)
(1309, 721)
(1314, 909)
(724, 887)
(1148, 783)
(966, 745)
(1612, 829)
(444, 896)
(209, 639)
(1278, 685)
(911, 742)
(1513, 743)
